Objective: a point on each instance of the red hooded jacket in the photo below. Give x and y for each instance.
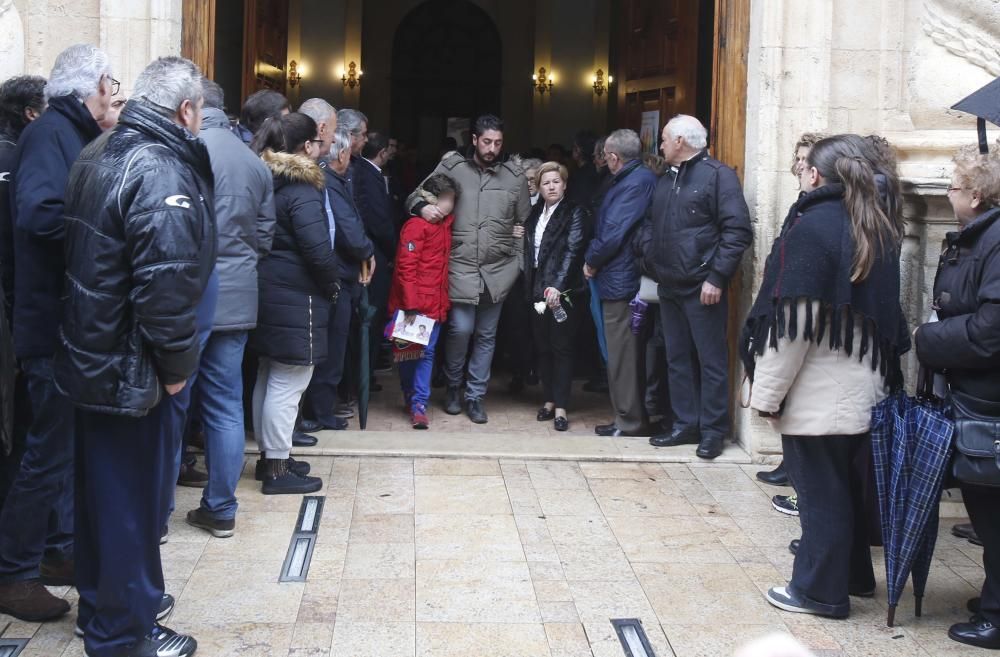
(420, 279)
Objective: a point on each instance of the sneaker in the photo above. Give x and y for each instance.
(418, 418)
(164, 536)
(218, 528)
(164, 642)
(280, 480)
(782, 598)
(298, 467)
(30, 601)
(56, 572)
(192, 477)
(453, 401)
(787, 504)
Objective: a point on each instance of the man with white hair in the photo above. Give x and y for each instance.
(36, 527)
(701, 227)
(140, 257)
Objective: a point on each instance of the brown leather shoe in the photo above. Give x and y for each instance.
(57, 573)
(30, 601)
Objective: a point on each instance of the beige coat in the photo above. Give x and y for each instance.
(485, 256)
(825, 392)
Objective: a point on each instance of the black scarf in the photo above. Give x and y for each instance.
(812, 259)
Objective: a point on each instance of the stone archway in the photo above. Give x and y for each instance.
(446, 62)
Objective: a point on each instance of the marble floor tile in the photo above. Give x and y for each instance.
(481, 640)
(465, 592)
(560, 475)
(379, 561)
(580, 530)
(623, 497)
(604, 641)
(713, 640)
(596, 602)
(311, 640)
(594, 563)
(382, 528)
(319, 602)
(238, 592)
(567, 640)
(468, 538)
(450, 494)
(678, 539)
(456, 467)
(556, 502)
(377, 600)
(633, 471)
(378, 639)
(240, 639)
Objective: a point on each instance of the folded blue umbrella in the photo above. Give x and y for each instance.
(911, 446)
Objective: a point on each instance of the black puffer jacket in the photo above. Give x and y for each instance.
(140, 246)
(560, 255)
(965, 343)
(701, 226)
(353, 244)
(298, 280)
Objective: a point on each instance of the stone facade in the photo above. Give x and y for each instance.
(886, 66)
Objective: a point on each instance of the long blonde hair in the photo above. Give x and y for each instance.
(839, 160)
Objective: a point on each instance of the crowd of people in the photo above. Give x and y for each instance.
(172, 273)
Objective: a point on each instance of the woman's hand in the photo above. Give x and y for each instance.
(518, 231)
(551, 297)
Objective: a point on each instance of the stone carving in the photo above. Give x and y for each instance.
(11, 40)
(962, 40)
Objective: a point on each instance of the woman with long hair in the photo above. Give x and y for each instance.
(297, 280)
(822, 345)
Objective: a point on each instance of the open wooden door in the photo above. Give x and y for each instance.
(265, 45)
(729, 83)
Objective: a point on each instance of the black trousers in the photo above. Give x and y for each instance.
(125, 477)
(321, 395)
(982, 502)
(694, 336)
(554, 343)
(834, 556)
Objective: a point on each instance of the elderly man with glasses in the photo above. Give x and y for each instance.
(36, 526)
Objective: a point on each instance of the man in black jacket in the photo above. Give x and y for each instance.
(140, 251)
(701, 227)
(36, 526)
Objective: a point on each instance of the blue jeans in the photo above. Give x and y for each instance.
(219, 404)
(598, 314)
(415, 375)
(476, 324)
(37, 517)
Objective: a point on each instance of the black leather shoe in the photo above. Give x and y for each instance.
(776, 477)
(793, 547)
(476, 411)
(710, 447)
(685, 436)
(561, 424)
(545, 414)
(965, 530)
(333, 423)
(982, 634)
(453, 401)
(973, 605)
(606, 429)
(300, 439)
(308, 426)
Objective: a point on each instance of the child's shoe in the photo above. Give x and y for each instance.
(418, 418)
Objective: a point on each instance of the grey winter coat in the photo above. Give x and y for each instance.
(485, 256)
(244, 213)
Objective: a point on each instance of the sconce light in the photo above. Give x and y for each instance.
(352, 76)
(543, 81)
(295, 73)
(599, 87)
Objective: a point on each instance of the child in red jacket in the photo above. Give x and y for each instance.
(420, 286)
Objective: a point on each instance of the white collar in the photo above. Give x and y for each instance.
(377, 167)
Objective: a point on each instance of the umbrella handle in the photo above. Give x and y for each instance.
(919, 605)
(891, 619)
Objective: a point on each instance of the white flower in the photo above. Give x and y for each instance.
(540, 307)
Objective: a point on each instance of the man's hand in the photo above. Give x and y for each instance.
(551, 296)
(365, 277)
(588, 271)
(432, 213)
(175, 388)
(518, 231)
(710, 295)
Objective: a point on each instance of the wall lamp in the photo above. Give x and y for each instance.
(598, 80)
(352, 76)
(543, 80)
(296, 71)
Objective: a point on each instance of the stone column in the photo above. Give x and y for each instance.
(11, 40)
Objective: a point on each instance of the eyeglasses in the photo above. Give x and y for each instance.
(955, 189)
(115, 86)
(315, 141)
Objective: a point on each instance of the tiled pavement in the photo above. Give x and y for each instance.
(517, 558)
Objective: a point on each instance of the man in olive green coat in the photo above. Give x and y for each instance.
(486, 257)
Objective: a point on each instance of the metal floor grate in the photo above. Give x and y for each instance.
(303, 542)
(12, 647)
(633, 638)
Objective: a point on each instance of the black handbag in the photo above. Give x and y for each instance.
(977, 440)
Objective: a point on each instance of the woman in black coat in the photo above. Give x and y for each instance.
(964, 344)
(297, 280)
(555, 240)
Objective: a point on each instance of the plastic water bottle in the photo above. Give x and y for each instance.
(559, 313)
